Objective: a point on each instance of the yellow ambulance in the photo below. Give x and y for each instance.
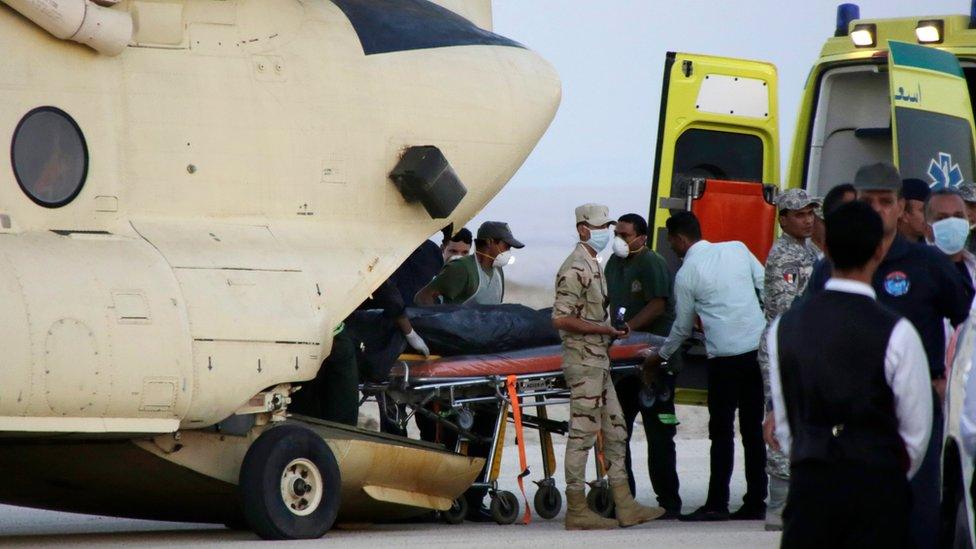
(898, 90)
(882, 89)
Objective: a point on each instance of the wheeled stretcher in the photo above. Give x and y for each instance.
(450, 392)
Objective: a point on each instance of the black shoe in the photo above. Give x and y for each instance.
(704, 514)
(670, 514)
(749, 512)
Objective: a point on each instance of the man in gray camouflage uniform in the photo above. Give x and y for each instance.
(580, 315)
(788, 270)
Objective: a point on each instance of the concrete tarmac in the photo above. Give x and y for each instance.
(20, 527)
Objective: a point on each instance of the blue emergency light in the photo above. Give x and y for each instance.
(849, 12)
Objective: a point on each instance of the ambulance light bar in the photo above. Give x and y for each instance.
(864, 35)
(929, 32)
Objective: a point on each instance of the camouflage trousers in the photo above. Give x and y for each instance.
(593, 408)
(777, 464)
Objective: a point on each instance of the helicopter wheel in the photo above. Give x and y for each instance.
(289, 484)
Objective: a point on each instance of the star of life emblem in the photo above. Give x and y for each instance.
(944, 173)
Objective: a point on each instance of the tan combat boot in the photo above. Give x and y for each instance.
(629, 512)
(579, 516)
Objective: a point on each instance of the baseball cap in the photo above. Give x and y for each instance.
(882, 176)
(915, 189)
(795, 199)
(596, 215)
(498, 230)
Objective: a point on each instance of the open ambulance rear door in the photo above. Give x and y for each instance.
(932, 116)
(718, 122)
(718, 143)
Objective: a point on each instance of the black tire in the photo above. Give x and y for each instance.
(504, 508)
(548, 501)
(961, 538)
(458, 511)
(600, 501)
(292, 450)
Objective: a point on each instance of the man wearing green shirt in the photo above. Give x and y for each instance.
(475, 278)
(638, 280)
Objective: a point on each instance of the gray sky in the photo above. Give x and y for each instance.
(610, 56)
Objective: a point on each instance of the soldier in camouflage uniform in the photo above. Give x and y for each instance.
(580, 315)
(788, 270)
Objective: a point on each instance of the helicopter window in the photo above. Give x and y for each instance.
(49, 156)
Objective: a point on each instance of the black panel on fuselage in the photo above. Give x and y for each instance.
(386, 26)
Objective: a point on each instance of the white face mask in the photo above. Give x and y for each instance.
(620, 247)
(454, 258)
(503, 259)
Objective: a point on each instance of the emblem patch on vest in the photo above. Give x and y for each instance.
(635, 287)
(896, 283)
(790, 276)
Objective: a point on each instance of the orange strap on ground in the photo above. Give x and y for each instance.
(520, 440)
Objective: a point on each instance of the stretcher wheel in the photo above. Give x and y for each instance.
(457, 513)
(504, 507)
(548, 501)
(600, 501)
(289, 484)
(465, 419)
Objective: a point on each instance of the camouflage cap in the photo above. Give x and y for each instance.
(796, 199)
(596, 215)
(968, 192)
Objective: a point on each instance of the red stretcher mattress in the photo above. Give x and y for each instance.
(527, 361)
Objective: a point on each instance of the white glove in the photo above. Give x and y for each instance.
(417, 342)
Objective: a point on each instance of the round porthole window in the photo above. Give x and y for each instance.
(49, 156)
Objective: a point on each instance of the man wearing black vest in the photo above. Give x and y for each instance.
(853, 405)
(918, 282)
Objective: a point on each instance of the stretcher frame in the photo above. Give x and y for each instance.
(459, 394)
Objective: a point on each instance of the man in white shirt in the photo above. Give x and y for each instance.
(853, 408)
(721, 283)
